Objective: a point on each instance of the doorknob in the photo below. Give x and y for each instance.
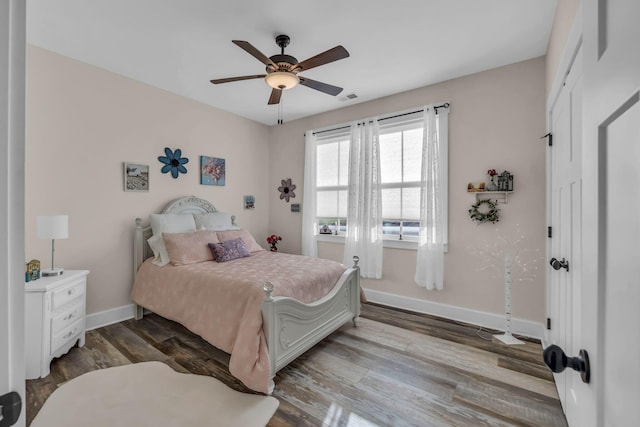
(11, 405)
(557, 265)
(557, 361)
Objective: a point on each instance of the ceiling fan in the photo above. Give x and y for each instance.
(282, 70)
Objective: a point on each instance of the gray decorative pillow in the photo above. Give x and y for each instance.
(229, 250)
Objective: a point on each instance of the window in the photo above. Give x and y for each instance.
(332, 179)
(401, 151)
(400, 154)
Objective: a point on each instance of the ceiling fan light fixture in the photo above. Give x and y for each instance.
(282, 80)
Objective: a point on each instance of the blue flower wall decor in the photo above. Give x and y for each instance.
(173, 162)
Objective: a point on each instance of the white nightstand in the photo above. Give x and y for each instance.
(54, 318)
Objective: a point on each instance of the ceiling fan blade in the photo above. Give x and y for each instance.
(326, 57)
(251, 50)
(275, 96)
(235, 79)
(322, 87)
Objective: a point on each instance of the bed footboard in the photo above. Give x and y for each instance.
(291, 327)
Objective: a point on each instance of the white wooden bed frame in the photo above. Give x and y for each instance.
(290, 327)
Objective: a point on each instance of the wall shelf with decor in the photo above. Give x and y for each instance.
(498, 188)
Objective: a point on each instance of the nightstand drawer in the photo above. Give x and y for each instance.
(62, 296)
(66, 316)
(69, 333)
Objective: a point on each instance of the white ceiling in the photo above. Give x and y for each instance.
(395, 46)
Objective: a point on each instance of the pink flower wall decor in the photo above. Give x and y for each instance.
(286, 189)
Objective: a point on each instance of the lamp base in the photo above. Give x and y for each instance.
(508, 339)
(52, 272)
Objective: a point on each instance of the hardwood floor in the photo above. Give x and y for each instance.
(395, 369)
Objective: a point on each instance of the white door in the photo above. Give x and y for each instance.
(12, 119)
(565, 206)
(611, 214)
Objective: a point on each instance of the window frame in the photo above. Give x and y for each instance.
(404, 120)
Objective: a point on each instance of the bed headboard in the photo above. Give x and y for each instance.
(184, 205)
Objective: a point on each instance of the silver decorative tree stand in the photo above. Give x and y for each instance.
(507, 337)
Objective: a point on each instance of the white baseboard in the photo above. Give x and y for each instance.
(488, 320)
(109, 317)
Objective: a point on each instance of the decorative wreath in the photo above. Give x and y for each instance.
(488, 214)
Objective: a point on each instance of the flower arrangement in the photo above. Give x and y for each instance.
(491, 186)
(273, 241)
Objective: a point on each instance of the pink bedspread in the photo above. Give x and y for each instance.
(222, 302)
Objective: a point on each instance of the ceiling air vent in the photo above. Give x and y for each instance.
(349, 97)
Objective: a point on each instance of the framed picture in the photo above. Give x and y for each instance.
(295, 207)
(136, 177)
(212, 170)
(249, 202)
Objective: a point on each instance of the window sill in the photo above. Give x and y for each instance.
(411, 245)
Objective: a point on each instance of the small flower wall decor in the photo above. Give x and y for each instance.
(286, 189)
(173, 162)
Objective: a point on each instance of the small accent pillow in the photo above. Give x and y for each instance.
(229, 250)
(189, 248)
(160, 255)
(214, 221)
(248, 239)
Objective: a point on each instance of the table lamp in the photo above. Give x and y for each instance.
(53, 227)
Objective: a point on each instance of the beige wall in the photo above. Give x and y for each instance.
(562, 23)
(83, 122)
(496, 120)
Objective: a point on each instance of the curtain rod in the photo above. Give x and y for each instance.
(445, 105)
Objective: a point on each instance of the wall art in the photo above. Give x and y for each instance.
(136, 177)
(286, 189)
(249, 202)
(212, 171)
(173, 162)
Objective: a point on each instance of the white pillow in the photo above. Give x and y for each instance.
(172, 223)
(160, 254)
(216, 221)
(167, 223)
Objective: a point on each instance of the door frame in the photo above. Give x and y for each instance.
(12, 198)
(571, 48)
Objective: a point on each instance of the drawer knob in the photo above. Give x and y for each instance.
(70, 292)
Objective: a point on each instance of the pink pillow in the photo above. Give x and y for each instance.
(189, 248)
(251, 243)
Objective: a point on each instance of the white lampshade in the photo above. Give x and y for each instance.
(282, 80)
(53, 227)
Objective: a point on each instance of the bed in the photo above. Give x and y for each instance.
(268, 330)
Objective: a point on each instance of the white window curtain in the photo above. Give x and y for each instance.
(364, 211)
(309, 219)
(433, 199)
